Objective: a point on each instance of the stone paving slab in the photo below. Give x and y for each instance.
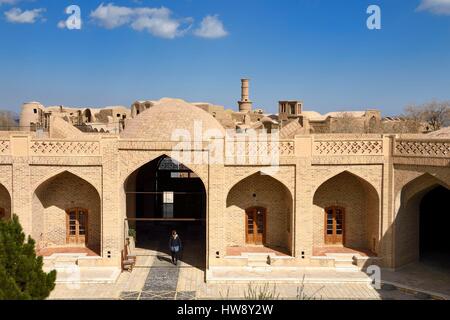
(157, 295)
(292, 275)
(75, 274)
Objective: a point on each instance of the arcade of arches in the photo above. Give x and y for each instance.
(374, 193)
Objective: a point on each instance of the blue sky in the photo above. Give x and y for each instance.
(318, 51)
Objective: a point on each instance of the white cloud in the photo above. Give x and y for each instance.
(8, 2)
(211, 27)
(16, 15)
(157, 21)
(435, 6)
(62, 24)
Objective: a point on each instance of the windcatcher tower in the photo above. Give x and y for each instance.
(245, 105)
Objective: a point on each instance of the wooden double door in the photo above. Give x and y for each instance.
(255, 225)
(334, 225)
(77, 226)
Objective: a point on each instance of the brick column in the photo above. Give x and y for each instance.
(387, 224)
(21, 184)
(303, 219)
(112, 223)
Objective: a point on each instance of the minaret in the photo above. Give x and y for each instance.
(245, 105)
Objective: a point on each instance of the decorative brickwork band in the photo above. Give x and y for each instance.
(416, 148)
(348, 147)
(5, 147)
(65, 148)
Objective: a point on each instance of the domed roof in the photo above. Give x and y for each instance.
(159, 122)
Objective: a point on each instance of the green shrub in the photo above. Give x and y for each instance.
(21, 274)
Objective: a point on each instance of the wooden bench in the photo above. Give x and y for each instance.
(128, 259)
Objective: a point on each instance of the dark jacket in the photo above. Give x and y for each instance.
(174, 243)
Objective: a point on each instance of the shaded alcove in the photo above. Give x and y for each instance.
(265, 193)
(434, 221)
(358, 201)
(421, 222)
(52, 204)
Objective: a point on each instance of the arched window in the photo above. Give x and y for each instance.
(77, 226)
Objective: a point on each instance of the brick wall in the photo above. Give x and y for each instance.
(270, 194)
(53, 198)
(361, 208)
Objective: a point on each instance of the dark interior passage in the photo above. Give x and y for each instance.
(168, 189)
(165, 195)
(434, 226)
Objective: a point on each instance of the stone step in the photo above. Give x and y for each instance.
(257, 260)
(345, 263)
(65, 261)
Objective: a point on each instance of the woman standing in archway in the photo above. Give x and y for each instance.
(175, 246)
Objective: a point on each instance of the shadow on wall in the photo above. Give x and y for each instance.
(421, 224)
(50, 223)
(5, 203)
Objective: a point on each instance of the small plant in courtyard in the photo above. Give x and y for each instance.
(225, 296)
(21, 274)
(302, 295)
(132, 233)
(261, 293)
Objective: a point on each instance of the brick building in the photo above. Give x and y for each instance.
(299, 200)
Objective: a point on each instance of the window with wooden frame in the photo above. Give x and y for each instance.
(334, 226)
(77, 226)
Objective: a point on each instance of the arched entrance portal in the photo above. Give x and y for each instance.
(434, 242)
(421, 223)
(165, 195)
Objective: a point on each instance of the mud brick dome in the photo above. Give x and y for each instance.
(159, 122)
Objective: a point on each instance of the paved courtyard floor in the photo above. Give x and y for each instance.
(155, 278)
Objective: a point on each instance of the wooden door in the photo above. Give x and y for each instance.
(77, 226)
(255, 226)
(334, 225)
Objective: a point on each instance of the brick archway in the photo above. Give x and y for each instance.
(261, 191)
(358, 201)
(53, 199)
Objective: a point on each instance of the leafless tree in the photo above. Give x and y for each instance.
(347, 123)
(436, 114)
(7, 120)
(402, 125)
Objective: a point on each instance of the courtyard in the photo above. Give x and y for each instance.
(156, 278)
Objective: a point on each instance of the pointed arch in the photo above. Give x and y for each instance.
(260, 172)
(356, 175)
(417, 184)
(409, 216)
(261, 191)
(51, 203)
(136, 162)
(53, 173)
(359, 200)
